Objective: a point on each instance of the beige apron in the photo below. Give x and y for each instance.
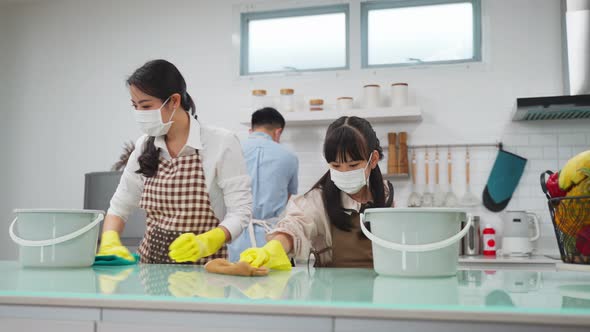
(176, 201)
(351, 249)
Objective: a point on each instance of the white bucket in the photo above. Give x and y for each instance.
(412, 242)
(56, 238)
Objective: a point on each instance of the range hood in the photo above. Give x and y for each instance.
(575, 103)
(553, 108)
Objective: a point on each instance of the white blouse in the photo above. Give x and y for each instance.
(225, 172)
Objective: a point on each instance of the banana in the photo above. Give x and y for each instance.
(571, 174)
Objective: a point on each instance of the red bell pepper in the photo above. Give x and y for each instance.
(553, 186)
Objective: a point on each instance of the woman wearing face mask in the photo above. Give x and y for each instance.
(325, 221)
(190, 179)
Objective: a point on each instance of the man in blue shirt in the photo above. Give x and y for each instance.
(273, 170)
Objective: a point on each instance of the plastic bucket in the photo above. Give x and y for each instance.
(411, 242)
(56, 238)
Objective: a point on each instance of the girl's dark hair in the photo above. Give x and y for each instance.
(160, 79)
(351, 138)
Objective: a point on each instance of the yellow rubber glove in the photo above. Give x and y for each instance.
(272, 255)
(190, 247)
(110, 244)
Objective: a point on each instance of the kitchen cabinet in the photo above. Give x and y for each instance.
(352, 325)
(49, 318)
(127, 320)
(22, 324)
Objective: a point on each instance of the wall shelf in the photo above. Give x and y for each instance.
(376, 115)
(497, 145)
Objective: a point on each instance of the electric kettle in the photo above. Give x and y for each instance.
(517, 239)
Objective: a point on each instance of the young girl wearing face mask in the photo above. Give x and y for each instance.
(325, 221)
(190, 179)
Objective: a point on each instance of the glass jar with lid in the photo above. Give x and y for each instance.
(344, 103)
(259, 99)
(372, 96)
(399, 94)
(316, 104)
(287, 100)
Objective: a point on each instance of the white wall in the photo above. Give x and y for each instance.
(573, 5)
(7, 121)
(70, 111)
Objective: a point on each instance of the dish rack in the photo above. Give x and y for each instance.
(570, 217)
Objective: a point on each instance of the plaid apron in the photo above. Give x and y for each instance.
(176, 201)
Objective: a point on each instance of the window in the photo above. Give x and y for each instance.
(294, 40)
(420, 32)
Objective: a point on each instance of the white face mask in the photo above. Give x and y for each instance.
(150, 121)
(350, 182)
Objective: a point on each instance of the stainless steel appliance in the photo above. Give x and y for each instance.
(98, 190)
(471, 243)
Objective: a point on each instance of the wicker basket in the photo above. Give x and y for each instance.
(569, 216)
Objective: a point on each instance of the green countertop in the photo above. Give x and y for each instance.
(550, 296)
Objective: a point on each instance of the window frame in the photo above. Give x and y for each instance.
(247, 17)
(382, 4)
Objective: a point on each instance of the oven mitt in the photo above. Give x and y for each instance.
(503, 180)
(114, 260)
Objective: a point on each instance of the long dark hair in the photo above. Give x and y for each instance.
(160, 79)
(350, 138)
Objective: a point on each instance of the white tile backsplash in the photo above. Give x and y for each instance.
(516, 140)
(531, 152)
(579, 149)
(564, 152)
(542, 140)
(543, 165)
(550, 152)
(572, 139)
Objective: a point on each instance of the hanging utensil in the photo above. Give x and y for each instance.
(439, 195)
(415, 200)
(427, 197)
(451, 199)
(469, 199)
